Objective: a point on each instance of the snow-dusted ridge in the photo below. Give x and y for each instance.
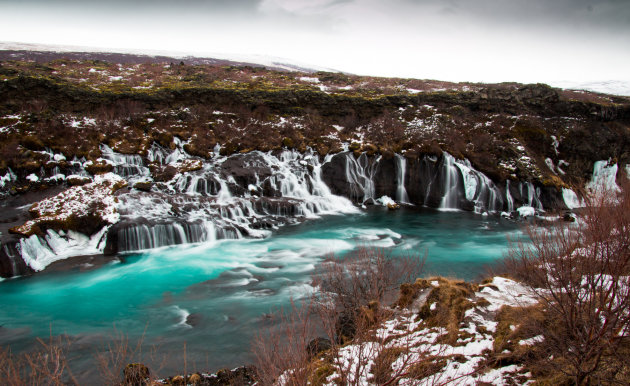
(244, 59)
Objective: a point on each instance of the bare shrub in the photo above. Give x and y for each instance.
(365, 275)
(580, 274)
(47, 365)
(347, 308)
(118, 360)
(281, 351)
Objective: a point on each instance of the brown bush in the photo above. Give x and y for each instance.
(580, 274)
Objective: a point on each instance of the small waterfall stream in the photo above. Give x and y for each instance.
(401, 170)
(508, 197)
(360, 174)
(451, 178)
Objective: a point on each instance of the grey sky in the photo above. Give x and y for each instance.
(477, 40)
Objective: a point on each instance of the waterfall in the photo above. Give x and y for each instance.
(508, 197)
(141, 237)
(479, 189)
(125, 165)
(12, 252)
(211, 203)
(450, 200)
(604, 178)
(38, 252)
(8, 177)
(360, 173)
(530, 195)
(401, 169)
(571, 199)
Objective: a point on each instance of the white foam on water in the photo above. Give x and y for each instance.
(182, 314)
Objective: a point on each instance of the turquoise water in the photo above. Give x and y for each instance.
(229, 286)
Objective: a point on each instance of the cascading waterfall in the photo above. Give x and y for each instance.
(360, 174)
(203, 208)
(450, 183)
(142, 236)
(479, 189)
(401, 170)
(246, 195)
(125, 165)
(508, 197)
(11, 251)
(530, 195)
(604, 178)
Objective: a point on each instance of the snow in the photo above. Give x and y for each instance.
(526, 211)
(571, 199)
(506, 292)
(32, 177)
(532, 341)
(39, 252)
(77, 201)
(604, 178)
(418, 344)
(615, 87)
(309, 79)
(386, 200)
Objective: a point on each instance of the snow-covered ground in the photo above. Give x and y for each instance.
(416, 344)
(615, 87)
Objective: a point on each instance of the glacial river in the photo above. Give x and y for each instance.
(227, 287)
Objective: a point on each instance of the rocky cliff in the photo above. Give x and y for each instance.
(208, 152)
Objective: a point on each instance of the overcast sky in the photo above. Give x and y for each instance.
(460, 40)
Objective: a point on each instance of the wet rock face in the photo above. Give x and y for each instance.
(11, 262)
(351, 176)
(244, 168)
(334, 175)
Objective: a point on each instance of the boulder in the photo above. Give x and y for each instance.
(136, 374)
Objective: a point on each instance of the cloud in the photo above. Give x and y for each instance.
(478, 40)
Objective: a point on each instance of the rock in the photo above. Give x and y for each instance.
(98, 167)
(195, 379)
(345, 327)
(393, 206)
(136, 374)
(75, 180)
(569, 217)
(244, 375)
(162, 173)
(194, 319)
(177, 380)
(317, 346)
(145, 186)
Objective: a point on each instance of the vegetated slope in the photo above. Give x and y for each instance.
(505, 130)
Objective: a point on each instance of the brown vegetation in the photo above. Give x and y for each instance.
(346, 309)
(581, 274)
